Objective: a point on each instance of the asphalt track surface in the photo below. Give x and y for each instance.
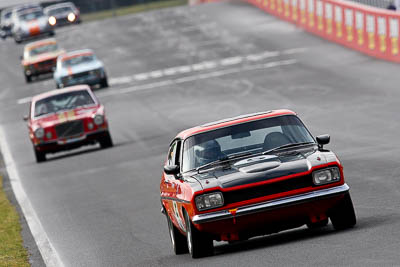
(102, 207)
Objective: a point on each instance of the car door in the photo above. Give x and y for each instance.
(171, 185)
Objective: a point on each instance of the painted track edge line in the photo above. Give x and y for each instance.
(49, 254)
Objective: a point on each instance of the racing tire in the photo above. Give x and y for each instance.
(343, 215)
(178, 240)
(104, 82)
(17, 40)
(317, 225)
(28, 78)
(40, 156)
(199, 244)
(106, 141)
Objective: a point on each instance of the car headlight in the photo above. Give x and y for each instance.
(98, 119)
(209, 201)
(52, 21)
(39, 133)
(96, 72)
(49, 135)
(90, 126)
(326, 176)
(71, 17)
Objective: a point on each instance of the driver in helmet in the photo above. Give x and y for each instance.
(209, 151)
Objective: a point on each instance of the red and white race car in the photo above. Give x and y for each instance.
(66, 119)
(40, 57)
(251, 175)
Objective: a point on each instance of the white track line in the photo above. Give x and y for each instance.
(196, 77)
(225, 62)
(201, 66)
(49, 254)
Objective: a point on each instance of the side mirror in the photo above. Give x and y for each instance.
(25, 118)
(171, 169)
(322, 140)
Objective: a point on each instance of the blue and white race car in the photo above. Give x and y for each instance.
(80, 67)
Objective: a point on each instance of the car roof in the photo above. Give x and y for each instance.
(232, 121)
(60, 5)
(76, 53)
(60, 91)
(40, 43)
(28, 10)
(25, 6)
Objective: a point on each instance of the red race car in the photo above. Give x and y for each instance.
(247, 176)
(66, 119)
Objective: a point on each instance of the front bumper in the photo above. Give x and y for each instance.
(26, 35)
(89, 80)
(61, 145)
(41, 69)
(271, 205)
(62, 21)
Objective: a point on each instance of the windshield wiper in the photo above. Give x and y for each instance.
(44, 113)
(286, 146)
(224, 160)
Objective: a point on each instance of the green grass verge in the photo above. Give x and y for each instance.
(12, 252)
(132, 9)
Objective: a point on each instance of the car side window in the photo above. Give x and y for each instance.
(174, 153)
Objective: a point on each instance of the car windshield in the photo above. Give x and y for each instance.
(66, 101)
(6, 14)
(59, 10)
(46, 48)
(246, 138)
(72, 61)
(31, 15)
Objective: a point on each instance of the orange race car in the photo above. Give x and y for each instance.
(40, 57)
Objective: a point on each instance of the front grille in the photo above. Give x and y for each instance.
(268, 189)
(62, 21)
(80, 75)
(47, 63)
(69, 129)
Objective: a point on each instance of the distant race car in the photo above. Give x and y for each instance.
(67, 119)
(40, 57)
(63, 14)
(80, 67)
(5, 23)
(29, 22)
(247, 176)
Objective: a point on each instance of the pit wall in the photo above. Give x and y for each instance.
(370, 30)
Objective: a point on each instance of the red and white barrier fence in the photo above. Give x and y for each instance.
(372, 31)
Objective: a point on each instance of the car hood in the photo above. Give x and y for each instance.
(81, 68)
(264, 167)
(44, 57)
(41, 22)
(68, 115)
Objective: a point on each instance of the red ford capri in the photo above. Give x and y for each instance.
(66, 119)
(247, 176)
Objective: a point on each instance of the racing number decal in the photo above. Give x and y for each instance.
(65, 116)
(176, 214)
